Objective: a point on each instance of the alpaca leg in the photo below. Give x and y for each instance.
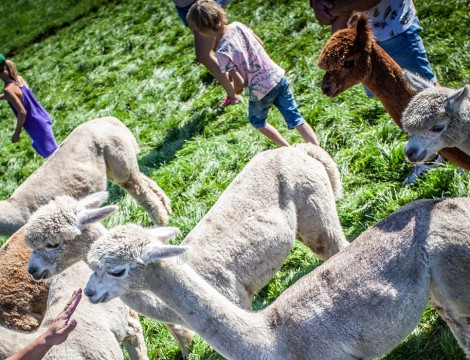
(182, 336)
(157, 206)
(319, 229)
(460, 327)
(123, 169)
(158, 192)
(134, 341)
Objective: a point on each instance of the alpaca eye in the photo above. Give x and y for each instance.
(437, 128)
(52, 246)
(348, 64)
(117, 273)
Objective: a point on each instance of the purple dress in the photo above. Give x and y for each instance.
(38, 123)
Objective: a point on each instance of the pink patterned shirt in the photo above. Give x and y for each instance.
(239, 49)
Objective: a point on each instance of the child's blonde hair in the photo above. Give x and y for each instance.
(206, 15)
(11, 69)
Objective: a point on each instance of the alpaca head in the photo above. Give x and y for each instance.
(54, 233)
(432, 118)
(120, 260)
(346, 57)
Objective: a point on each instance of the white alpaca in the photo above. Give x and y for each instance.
(359, 304)
(281, 194)
(95, 152)
(98, 333)
(435, 118)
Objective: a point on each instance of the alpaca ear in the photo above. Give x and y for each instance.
(90, 216)
(459, 101)
(352, 21)
(156, 251)
(417, 82)
(164, 233)
(94, 200)
(363, 30)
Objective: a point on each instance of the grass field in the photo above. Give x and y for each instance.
(134, 59)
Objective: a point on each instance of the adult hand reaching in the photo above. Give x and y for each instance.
(56, 333)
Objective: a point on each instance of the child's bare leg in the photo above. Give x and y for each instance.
(307, 133)
(272, 134)
(206, 56)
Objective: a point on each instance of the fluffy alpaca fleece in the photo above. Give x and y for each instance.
(99, 330)
(351, 57)
(280, 195)
(22, 300)
(435, 118)
(96, 151)
(357, 305)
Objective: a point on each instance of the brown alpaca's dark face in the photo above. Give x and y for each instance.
(346, 58)
(336, 81)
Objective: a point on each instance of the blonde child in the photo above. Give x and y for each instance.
(205, 54)
(29, 113)
(240, 53)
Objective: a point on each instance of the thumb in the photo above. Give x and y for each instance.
(70, 326)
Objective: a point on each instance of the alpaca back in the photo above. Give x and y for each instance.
(330, 166)
(280, 194)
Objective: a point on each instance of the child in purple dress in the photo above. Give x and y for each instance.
(240, 53)
(29, 113)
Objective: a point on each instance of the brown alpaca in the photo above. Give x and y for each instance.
(351, 57)
(22, 300)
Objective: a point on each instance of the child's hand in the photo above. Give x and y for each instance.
(62, 326)
(15, 138)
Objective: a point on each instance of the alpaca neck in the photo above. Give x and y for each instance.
(11, 217)
(388, 84)
(465, 146)
(233, 332)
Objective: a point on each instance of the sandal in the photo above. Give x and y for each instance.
(227, 101)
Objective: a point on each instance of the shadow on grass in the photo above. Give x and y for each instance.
(175, 139)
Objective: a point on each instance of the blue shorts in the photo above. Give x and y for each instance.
(183, 11)
(408, 51)
(283, 99)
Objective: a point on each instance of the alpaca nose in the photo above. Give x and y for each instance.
(409, 151)
(413, 154)
(88, 292)
(32, 270)
(325, 88)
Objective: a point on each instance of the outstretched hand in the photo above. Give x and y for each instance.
(62, 326)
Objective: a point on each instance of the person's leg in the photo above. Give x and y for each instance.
(272, 134)
(257, 115)
(286, 105)
(307, 133)
(205, 54)
(408, 51)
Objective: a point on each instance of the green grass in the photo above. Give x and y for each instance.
(134, 59)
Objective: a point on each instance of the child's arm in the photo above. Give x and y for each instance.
(15, 101)
(238, 81)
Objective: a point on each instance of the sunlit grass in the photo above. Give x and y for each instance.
(134, 59)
